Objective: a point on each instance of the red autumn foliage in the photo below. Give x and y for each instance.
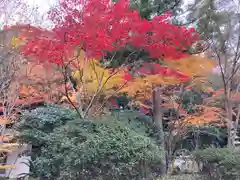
(98, 26)
(154, 69)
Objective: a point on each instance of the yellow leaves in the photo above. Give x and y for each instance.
(137, 86)
(6, 166)
(161, 80)
(91, 76)
(193, 65)
(92, 81)
(17, 41)
(143, 105)
(8, 147)
(71, 97)
(207, 89)
(14, 42)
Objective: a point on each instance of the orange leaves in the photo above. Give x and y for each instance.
(6, 138)
(7, 120)
(143, 105)
(38, 82)
(236, 96)
(190, 66)
(4, 121)
(162, 80)
(23, 32)
(35, 82)
(219, 95)
(205, 116)
(200, 83)
(144, 85)
(36, 73)
(28, 91)
(72, 97)
(23, 29)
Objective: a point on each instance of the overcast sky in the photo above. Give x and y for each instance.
(44, 5)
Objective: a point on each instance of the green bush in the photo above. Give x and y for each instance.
(220, 163)
(84, 149)
(41, 121)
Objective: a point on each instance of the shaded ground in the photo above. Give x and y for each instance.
(183, 177)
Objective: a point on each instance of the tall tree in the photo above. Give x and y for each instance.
(150, 8)
(18, 11)
(218, 23)
(11, 61)
(100, 27)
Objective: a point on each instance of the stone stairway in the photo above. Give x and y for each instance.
(237, 142)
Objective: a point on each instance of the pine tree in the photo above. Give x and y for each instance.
(150, 8)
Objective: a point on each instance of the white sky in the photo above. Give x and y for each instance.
(43, 5)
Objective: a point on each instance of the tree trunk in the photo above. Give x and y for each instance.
(230, 124)
(228, 108)
(157, 118)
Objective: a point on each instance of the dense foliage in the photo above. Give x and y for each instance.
(102, 26)
(102, 57)
(70, 148)
(220, 163)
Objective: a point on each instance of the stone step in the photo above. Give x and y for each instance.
(237, 138)
(236, 143)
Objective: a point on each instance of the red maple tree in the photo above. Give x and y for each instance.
(100, 26)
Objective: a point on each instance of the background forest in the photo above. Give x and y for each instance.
(126, 89)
